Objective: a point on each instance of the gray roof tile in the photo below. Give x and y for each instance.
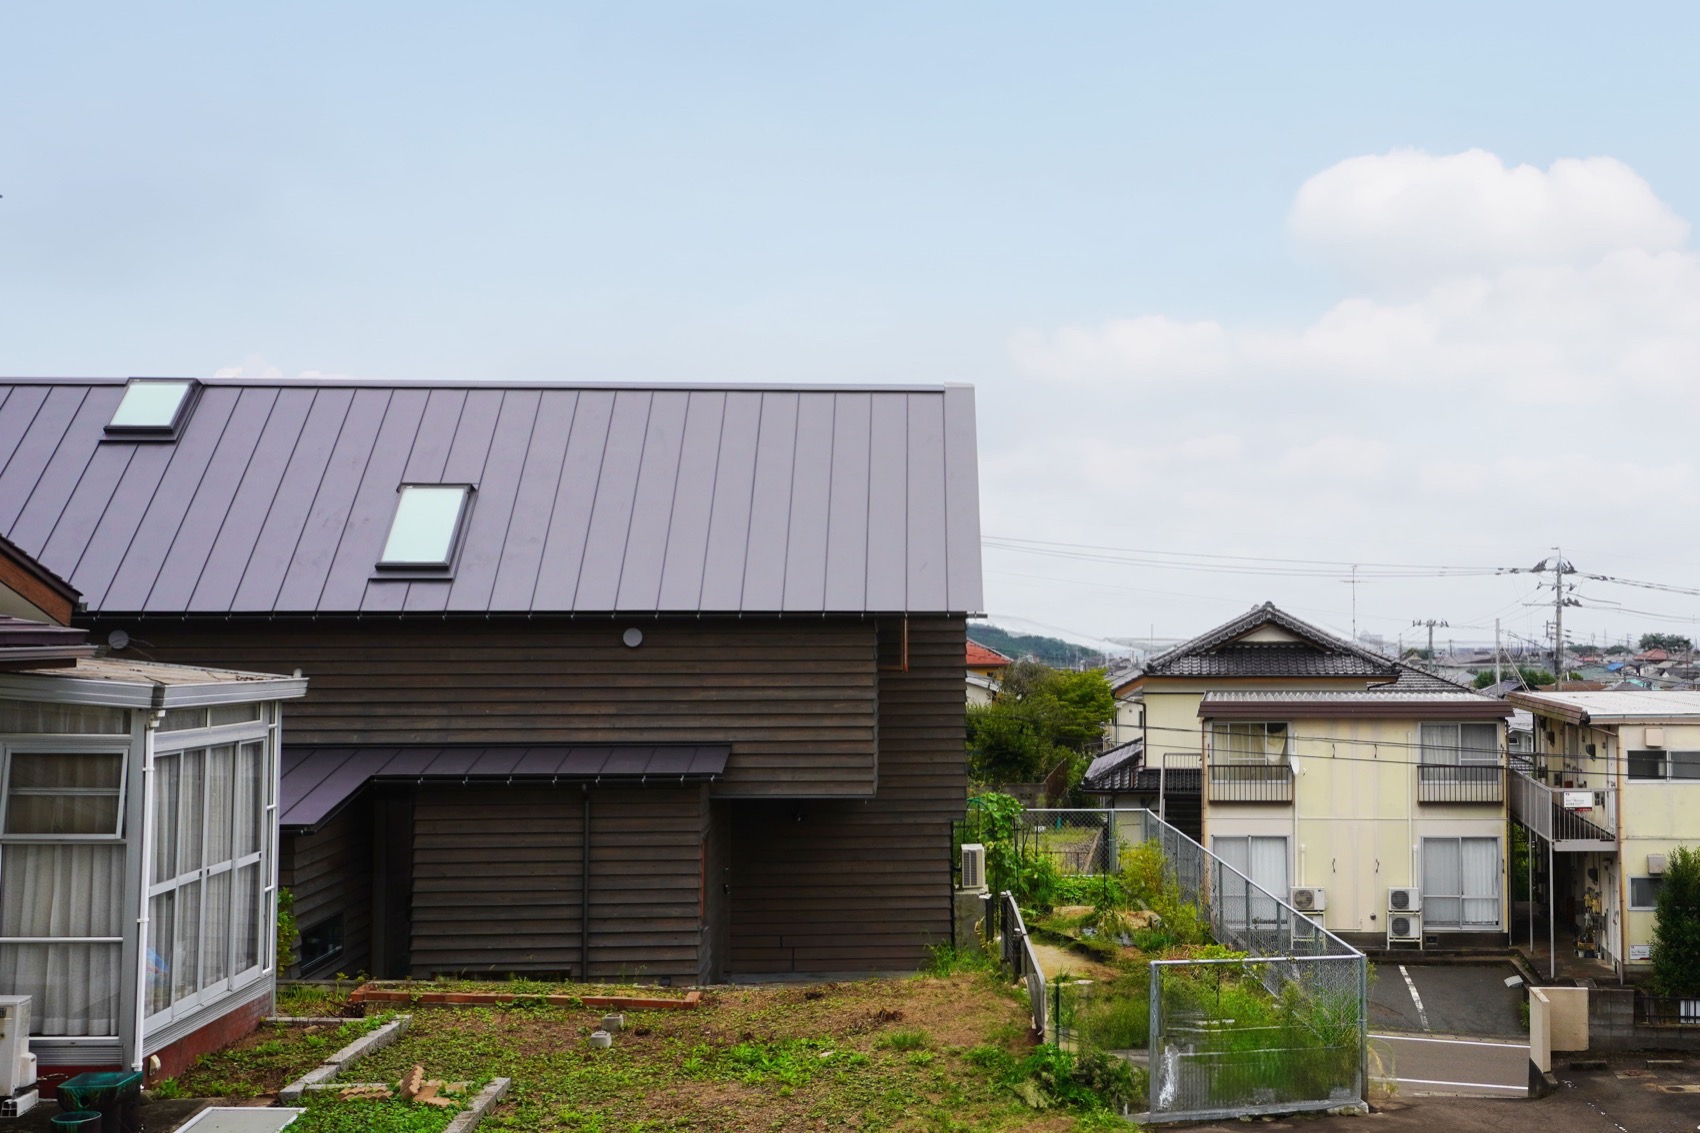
(276, 497)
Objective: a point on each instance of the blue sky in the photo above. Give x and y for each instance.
(873, 192)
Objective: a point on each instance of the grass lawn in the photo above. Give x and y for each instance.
(946, 1053)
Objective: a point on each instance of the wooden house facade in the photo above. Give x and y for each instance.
(604, 682)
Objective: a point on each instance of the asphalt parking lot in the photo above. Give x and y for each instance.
(1446, 999)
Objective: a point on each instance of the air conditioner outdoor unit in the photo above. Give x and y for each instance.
(1307, 927)
(1405, 926)
(973, 865)
(1310, 899)
(17, 1065)
(1405, 900)
(1655, 864)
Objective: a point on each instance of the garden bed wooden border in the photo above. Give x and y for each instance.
(368, 994)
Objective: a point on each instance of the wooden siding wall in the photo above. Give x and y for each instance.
(796, 699)
(330, 872)
(497, 881)
(862, 886)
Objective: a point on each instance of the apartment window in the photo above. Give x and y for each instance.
(1644, 892)
(1679, 765)
(1461, 883)
(151, 409)
(61, 927)
(1460, 745)
(1246, 744)
(1262, 862)
(206, 897)
(426, 527)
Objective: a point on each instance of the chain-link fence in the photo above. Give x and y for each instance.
(1283, 1029)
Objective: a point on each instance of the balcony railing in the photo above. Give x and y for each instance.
(1251, 783)
(1460, 783)
(1579, 818)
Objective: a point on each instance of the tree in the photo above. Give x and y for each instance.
(1531, 677)
(1676, 925)
(1041, 717)
(1669, 642)
(1617, 650)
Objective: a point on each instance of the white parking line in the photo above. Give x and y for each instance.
(1422, 1016)
(1461, 1085)
(1449, 1042)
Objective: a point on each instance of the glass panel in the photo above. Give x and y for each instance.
(183, 719)
(1685, 765)
(1443, 882)
(185, 961)
(73, 988)
(215, 961)
(1480, 861)
(27, 717)
(66, 769)
(250, 803)
(220, 797)
(166, 770)
(162, 934)
(1646, 765)
(247, 916)
(62, 890)
(1644, 892)
(149, 405)
(62, 814)
(320, 942)
(1440, 745)
(1479, 743)
(423, 531)
(191, 812)
(234, 713)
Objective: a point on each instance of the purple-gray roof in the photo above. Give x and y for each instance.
(317, 781)
(276, 497)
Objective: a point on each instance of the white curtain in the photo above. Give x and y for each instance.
(1481, 881)
(63, 890)
(1261, 860)
(1461, 882)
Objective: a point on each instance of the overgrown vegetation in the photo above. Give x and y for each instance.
(1049, 650)
(1041, 718)
(287, 933)
(1676, 925)
(265, 1060)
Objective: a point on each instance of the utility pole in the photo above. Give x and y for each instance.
(1559, 568)
(1496, 677)
(1432, 624)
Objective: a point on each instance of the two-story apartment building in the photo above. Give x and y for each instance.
(1612, 788)
(1337, 775)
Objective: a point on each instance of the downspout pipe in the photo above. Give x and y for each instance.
(156, 714)
(584, 895)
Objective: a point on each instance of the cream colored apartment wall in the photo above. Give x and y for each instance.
(1356, 825)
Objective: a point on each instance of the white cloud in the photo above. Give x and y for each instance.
(1410, 218)
(1515, 363)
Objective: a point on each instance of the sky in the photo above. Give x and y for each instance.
(1271, 288)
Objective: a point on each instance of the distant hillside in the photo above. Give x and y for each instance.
(1053, 651)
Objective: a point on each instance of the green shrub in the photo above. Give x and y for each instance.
(1676, 926)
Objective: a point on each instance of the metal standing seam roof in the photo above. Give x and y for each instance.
(1605, 707)
(317, 781)
(276, 497)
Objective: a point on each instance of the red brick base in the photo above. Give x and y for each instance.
(221, 1032)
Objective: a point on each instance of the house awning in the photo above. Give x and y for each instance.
(317, 781)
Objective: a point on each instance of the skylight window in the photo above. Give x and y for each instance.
(426, 527)
(152, 408)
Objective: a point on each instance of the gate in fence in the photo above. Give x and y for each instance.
(1284, 1029)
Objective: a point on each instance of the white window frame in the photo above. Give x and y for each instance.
(1466, 756)
(1225, 754)
(262, 733)
(1234, 907)
(1630, 883)
(64, 745)
(456, 531)
(55, 744)
(1665, 767)
(1498, 898)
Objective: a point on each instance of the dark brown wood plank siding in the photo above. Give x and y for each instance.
(497, 881)
(330, 872)
(826, 886)
(796, 699)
